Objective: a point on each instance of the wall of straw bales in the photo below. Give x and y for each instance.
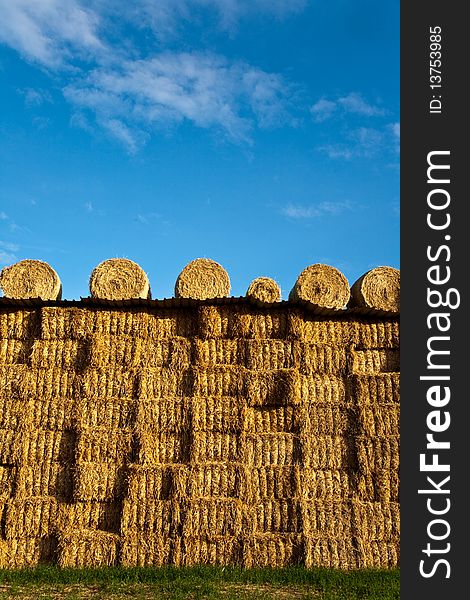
(200, 434)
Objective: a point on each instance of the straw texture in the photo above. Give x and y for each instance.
(201, 279)
(378, 288)
(30, 279)
(264, 289)
(206, 434)
(119, 279)
(322, 285)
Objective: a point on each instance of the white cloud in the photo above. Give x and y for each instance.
(295, 211)
(355, 103)
(352, 103)
(49, 31)
(35, 97)
(202, 88)
(361, 142)
(323, 109)
(3, 216)
(7, 253)
(396, 129)
(129, 95)
(9, 246)
(7, 258)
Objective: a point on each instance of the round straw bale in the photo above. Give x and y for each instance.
(119, 279)
(322, 285)
(30, 279)
(264, 289)
(379, 288)
(202, 279)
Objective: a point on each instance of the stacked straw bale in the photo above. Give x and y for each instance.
(228, 434)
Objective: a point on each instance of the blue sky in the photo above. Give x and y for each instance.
(263, 134)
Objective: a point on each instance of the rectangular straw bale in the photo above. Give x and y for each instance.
(210, 550)
(376, 520)
(276, 516)
(155, 448)
(381, 485)
(24, 552)
(49, 413)
(105, 516)
(380, 388)
(131, 352)
(272, 449)
(66, 354)
(216, 480)
(31, 517)
(217, 413)
(147, 549)
(280, 550)
(162, 517)
(7, 475)
(376, 334)
(98, 481)
(66, 322)
(377, 453)
(211, 322)
(257, 324)
(214, 352)
(12, 413)
(327, 518)
(47, 383)
(323, 388)
(157, 482)
(262, 355)
(272, 419)
(224, 380)
(213, 517)
(327, 451)
(43, 446)
(88, 548)
(105, 412)
(368, 362)
(44, 479)
(278, 387)
(113, 382)
(331, 552)
(319, 358)
(317, 329)
(324, 418)
(213, 446)
(382, 420)
(13, 352)
(328, 484)
(377, 554)
(164, 382)
(166, 415)
(280, 482)
(12, 379)
(116, 351)
(18, 324)
(101, 445)
(8, 446)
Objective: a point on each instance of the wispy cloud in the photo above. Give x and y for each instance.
(35, 97)
(3, 216)
(352, 103)
(7, 252)
(129, 95)
(361, 142)
(49, 32)
(312, 211)
(202, 88)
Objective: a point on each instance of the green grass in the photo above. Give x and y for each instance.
(197, 583)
